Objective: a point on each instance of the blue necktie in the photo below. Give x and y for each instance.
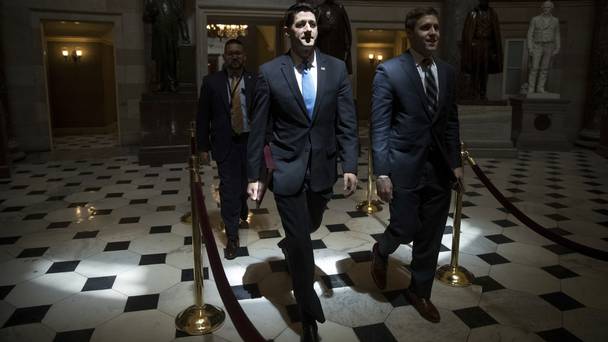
(308, 89)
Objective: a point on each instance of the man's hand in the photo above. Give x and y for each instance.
(350, 183)
(384, 188)
(459, 174)
(254, 190)
(204, 158)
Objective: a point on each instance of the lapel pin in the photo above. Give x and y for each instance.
(323, 68)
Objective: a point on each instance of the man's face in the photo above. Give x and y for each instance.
(425, 36)
(547, 7)
(234, 56)
(303, 31)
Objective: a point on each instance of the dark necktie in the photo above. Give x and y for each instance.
(236, 112)
(430, 84)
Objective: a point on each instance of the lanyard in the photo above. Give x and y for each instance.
(236, 85)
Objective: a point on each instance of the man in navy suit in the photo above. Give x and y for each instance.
(223, 125)
(416, 148)
(304, 110)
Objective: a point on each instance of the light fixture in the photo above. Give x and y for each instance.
(76, 54)
(230, 31)
(375, 58)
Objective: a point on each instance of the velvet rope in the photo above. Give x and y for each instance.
(243, 325)
(574, 246)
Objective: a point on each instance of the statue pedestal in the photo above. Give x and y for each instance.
(540, 123)
(165, 123)
(602, 147)
(553, 96)
(486, 130)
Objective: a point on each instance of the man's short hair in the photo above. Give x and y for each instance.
(294, 9)
(233, 41)
(411, 18)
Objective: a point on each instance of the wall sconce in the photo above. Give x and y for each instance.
(76, 54)
(375, 59)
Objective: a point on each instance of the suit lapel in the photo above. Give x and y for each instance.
(409, 66)
(443, 88)
(249, 91)
(321, 82)
(290, 77)
(224, 91)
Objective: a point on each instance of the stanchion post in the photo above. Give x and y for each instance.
(369, 206)
(200, 318)
(454, 274)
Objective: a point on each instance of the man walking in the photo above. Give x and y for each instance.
(303, 104)
(416, 147)
(223, 126)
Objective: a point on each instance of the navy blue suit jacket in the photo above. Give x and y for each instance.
(404, 127)
(214, 130)
(280, 117)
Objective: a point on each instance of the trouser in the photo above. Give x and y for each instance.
(233, 185)
(541, 59)
(418, 215)
(301, 214)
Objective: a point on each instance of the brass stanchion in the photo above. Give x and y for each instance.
(200, 318)
(369, 206)
(454, 274)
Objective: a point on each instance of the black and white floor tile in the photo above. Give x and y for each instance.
(94, 250)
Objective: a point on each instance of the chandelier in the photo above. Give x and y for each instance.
(227, 31)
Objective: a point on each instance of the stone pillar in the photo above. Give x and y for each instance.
(589, 136)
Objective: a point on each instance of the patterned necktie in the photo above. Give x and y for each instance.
(308, 89)
(236, 112)
(430, 84)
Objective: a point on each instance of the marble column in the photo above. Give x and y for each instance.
(595, 122)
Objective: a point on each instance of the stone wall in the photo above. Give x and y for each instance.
(24, 62)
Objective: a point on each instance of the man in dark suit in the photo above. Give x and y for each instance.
(223, 125)
(304, 110)
(416, 146)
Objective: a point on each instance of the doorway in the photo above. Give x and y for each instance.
(81, 83)
(373, 47)
(261, 39)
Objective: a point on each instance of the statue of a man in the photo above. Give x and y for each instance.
(335, 36)
(543, 44)
(166, 17)
(481, 47)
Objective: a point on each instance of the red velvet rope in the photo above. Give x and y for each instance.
(243, 325)
(574, 246)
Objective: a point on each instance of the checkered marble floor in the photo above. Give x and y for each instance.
(94, 250)
(79, 142)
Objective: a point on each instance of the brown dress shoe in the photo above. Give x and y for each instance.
(310, 332)
(425, 308)
(232, 248)
(378, 267)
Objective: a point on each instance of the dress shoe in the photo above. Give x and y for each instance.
(231, 248)
(425, 308)
(310, 332)
(286, 255)
(378, 267)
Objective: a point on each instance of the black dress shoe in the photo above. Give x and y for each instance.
(425, 308)
(232, 248)
(378, 267)
(310, 332)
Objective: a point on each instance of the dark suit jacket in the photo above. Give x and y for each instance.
(214, 130)
(403, 127)
(279, 115)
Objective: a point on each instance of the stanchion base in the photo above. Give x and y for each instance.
(455, 276)
(369, 208)
(200, 320)
(187, 217)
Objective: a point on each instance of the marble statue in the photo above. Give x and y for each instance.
(543, 45)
